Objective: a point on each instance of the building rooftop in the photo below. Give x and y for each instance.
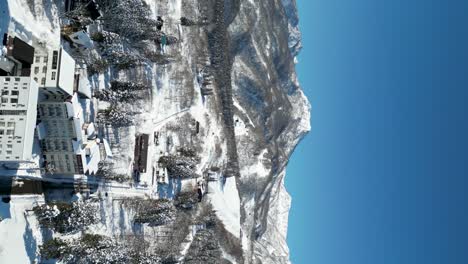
(20, 50)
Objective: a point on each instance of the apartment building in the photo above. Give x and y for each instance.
(54, 71)
(18, 111)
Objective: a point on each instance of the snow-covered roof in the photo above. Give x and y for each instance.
(77, 123)
(66, 72)
(73, 107)
(41, 131)
(82, 38)
(107, 148)
(93, 156)
(89, 129)
(77, 147)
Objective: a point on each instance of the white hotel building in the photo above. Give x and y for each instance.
(18, 113)
(54, 72)
(66, 148)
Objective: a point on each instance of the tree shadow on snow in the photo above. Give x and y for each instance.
(30, 243)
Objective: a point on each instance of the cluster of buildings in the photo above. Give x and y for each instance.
(40, 111)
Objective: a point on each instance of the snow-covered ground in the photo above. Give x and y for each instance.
(43, 28)
(19, 230)
(226, 202)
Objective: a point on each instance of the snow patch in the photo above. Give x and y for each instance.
(19, 230)
(226, 203)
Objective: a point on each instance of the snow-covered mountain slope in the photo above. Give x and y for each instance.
(275, 112)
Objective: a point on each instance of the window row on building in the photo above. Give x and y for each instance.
(18, 112)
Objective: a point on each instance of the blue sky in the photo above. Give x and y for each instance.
(382, 176)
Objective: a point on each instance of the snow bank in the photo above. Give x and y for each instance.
(18, 230)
